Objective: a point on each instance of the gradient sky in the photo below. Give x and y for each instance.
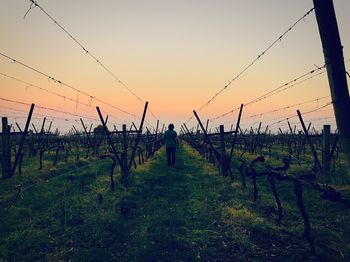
(174, 54)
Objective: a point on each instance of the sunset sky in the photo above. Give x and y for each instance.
(174, 54)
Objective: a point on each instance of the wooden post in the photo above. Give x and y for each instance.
(326, 148)
(222, 150)
(6, 150)
(157, 128)
(317, 162)
(35, 130)
(125, 158)
(48, 131)
(24, 134)
(266, 129)
(43, 126)
(206, 137)
(206, 126)
(133, 125)
(109, 139)
(104, 131)
(154, 144)
(293, 138)
(190, 135)
(86, 132)
(19, 128)
(236, 131)
(333, 54)
(138, 135)
(203, 129)
(258, 131)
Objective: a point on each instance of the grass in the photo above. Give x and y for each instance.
(183, 213)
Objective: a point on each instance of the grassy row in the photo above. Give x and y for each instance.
(185, 213)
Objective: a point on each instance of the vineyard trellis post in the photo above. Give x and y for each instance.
(206, 126)
(313, 150)
(6, 149)
(23, 137)
(222, 149)
(334, 60)
(293, 138)
(124, 157)
(109, 139)
(203, 129)
(49, 129)
(137, 140)
(87, 135)
(326, 148)
(234, 140)
(189, 134)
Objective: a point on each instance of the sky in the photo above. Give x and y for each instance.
(174, 54)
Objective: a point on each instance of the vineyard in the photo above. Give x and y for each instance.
(89, 180)
(73, 199)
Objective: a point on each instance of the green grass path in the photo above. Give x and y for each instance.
(183, 213)
(175, 213)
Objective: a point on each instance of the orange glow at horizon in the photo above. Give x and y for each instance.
(175, 55)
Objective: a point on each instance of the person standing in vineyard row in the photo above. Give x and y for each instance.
(171, 143)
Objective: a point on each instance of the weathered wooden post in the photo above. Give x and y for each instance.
(326, 148)
(313, 150)
(48, 130)
(6, 150)
(24, 134)
(206, 126)
(293, 139)
(333, 54)
(154, 144)
(90, 143)
(137, 140)
(222, 150)
(234, 140)
(125, 158)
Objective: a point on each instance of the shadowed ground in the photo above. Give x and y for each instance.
(175, 213)
(183, 213)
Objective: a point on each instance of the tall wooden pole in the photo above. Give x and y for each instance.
(333, 53)
(6, 150)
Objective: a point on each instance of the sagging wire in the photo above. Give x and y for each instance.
(47, 108)
(32, 6)
(29, 85)
(287, 107)
(304, 113)
(86, 51)
(277, 90)
(64, 84)
(257, 58)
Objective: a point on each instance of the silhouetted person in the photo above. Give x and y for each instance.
(170, 140)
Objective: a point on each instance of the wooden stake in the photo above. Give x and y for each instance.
(6, 150)
(326, 148)
(317, 161)
(24, 134)
(333, 54)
